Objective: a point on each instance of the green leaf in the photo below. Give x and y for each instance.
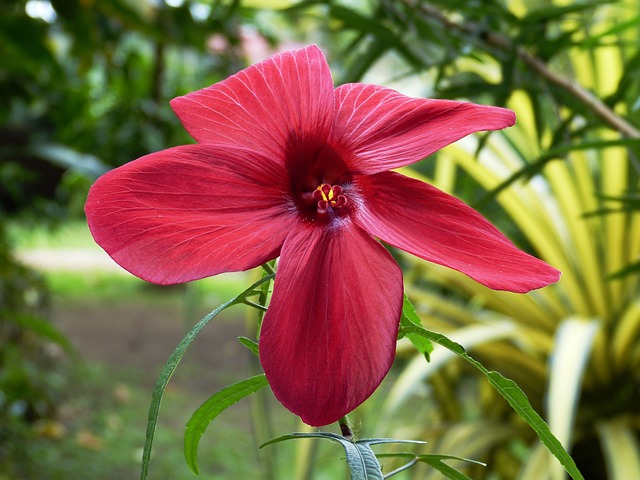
(381, 441)
(364, 446)
(363, 464)
(250, 344)
(549, 12)
(436, 462)
(374, 39)
(363, 457)
(621, 26)
(633, 267)
(210, 409)
(375, 49)
(172, 364)
(430, 458)
(529, 171)
(433, 460)
(512, 393)
(410, 317)
(629, 203)
(362, 461)
(629, 73)
(264, 292)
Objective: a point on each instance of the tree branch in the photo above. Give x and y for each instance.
(503, 43)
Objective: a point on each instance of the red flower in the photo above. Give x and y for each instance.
(288, 166)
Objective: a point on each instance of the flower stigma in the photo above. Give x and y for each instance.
(329, 196)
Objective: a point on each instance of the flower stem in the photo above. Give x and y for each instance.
(255, 305)
(268, 267)
(345, 428)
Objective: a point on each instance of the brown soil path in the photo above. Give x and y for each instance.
(142, 335)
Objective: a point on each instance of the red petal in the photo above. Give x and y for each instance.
(437, 227)
(191, 212)
(281, 103)
(378, 129)
(329, 335)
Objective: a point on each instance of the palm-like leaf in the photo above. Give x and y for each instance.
(563, 185)
(572, 347)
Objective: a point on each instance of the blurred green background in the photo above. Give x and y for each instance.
(85, 87)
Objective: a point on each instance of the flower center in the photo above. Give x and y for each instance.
(329, 196)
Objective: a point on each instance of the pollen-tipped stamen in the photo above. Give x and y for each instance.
(329, 196)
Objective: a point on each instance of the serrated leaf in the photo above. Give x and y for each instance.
(209, 410)
(363, 457)
(362, 461)
(513, 394)
(250, 344)
(171, 365)
(410, 317)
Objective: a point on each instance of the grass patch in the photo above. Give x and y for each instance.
(72, 234)
(108, 284)
(98, 433)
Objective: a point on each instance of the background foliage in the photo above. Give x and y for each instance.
(564, 182)
(85, 87)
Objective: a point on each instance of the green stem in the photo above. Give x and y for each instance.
(255, 305)
(345, 428)
(404, 467)
(269, 268)
(261, 416)
(171, 365)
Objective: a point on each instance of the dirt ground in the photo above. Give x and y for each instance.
(141, 337)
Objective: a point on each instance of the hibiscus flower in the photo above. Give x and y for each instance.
(288, 166)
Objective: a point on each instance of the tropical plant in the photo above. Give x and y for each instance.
(85, 85)
(564, 182)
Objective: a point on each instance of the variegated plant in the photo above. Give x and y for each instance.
(573, 347)
(564, 184)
